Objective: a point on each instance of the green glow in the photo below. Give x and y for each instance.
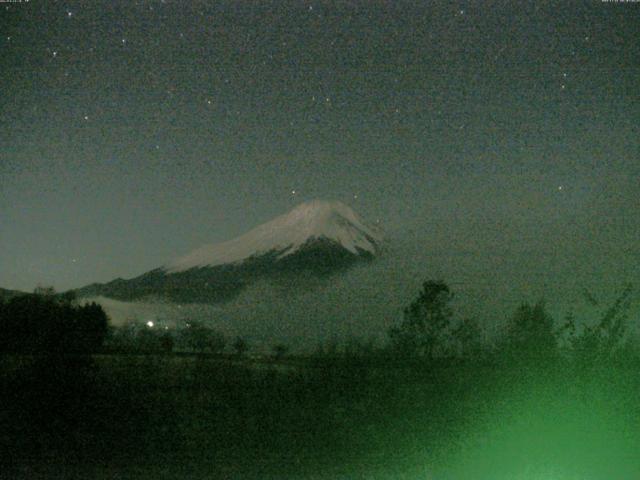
(560, 430)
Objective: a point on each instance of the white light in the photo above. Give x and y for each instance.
(150, 324)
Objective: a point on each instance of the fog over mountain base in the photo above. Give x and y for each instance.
(364, 301)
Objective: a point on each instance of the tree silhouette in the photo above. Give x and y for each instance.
(47, 323)
(201, 338)
(280, 351)
(468, 336)
(604, 339)
(166, 342)
(240, 346)
(530, 333)
(425, 324)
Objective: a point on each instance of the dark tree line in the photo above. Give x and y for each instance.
(428, 330)
(48, 323)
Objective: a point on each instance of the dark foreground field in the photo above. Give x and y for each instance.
(166, 416)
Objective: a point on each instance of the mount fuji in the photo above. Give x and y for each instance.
(315, 239)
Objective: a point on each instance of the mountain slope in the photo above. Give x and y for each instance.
(317, 238)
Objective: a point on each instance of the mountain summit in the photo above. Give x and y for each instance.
(287, 234)
(316, 238)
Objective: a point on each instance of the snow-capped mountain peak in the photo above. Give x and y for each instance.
(317, 219)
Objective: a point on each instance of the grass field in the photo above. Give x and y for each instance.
(171, 416)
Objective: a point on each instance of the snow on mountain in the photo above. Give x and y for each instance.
(315, 220)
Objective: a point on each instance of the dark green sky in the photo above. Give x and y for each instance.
(499, 139)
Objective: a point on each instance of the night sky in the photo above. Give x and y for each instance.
(495, 142)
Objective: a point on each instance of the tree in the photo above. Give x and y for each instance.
(530, 334)
(166, 342)
(240, 346)
(201, 338)
(91, 325)
(41, 323)
(425, 324)
(44, 291)
(467, 334)
(604, 339)
(280, 351)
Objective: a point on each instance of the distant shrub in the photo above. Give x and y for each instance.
(240, 346)
(199, 338)
(280, 351)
